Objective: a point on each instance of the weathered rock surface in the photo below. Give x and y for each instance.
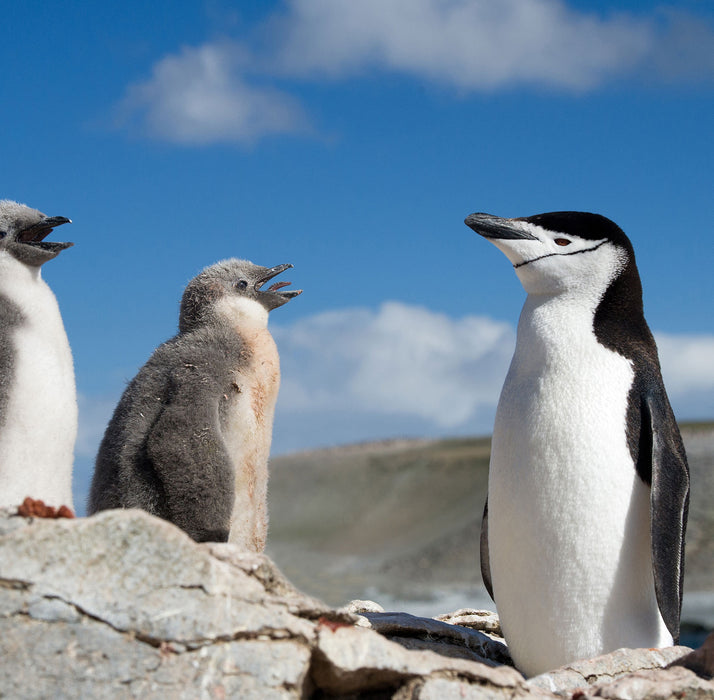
(124, 605)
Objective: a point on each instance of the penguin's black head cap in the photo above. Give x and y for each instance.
(23, 231)
(592, 227)
(232, 290)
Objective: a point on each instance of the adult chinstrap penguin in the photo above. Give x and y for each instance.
(582, 542)
(190, 438)
(38, 402)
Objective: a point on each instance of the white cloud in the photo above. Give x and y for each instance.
(469, 44)
(228, 91)
(687, 363)
(203, 95)
(359, 374)
(400, 359)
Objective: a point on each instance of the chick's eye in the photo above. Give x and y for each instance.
(562, 241)
(3, 234)
(241, 284)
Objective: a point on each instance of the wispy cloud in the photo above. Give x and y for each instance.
(205, 95)
(235, 91)
(399, 359)
(688, 373)
(468, 44)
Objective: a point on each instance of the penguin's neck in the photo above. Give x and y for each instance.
(13, 273)
(555, 329)
(23, 284)
(243, 313)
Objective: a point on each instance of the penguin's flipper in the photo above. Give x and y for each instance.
(189, 457)
(669, 503)
(485, 561)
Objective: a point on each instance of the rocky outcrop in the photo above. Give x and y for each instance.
(123, 605)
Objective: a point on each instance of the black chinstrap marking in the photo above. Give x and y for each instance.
(550, 255)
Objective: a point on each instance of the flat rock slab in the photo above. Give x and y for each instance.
(606, 668)
(442, 637)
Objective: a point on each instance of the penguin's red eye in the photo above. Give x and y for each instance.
(562, 241)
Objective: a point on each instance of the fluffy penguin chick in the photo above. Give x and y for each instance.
(190, 438)
(38, 401)
(582, 544)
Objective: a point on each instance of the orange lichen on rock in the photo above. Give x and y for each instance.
(332, 625)
(35, 508)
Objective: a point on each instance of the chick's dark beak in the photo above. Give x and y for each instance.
(39, 231)
(275, 288)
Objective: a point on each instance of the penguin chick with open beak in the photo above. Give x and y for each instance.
(38, 400)
(582, 544)
(190, 438)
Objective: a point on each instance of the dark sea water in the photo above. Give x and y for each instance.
(694, 637)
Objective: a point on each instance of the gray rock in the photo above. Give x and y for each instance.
(351, 659)
(665, 684)
(700, 661)
(482, 620)
(126, 605)
(448, 688)
(362, 606)
(606, 668)
(444, 638)
(146, 576)
(123, 605)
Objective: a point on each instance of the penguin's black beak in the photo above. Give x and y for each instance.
(39, 231)
(29, 245)
(490, 226)
(272, 297)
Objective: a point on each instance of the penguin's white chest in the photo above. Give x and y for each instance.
(569, 540)
(248, 435)
(39, 427)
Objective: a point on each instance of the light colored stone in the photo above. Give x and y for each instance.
(146, 576)
(349, 659)
(446, 688)
(606, 668)
(362, 606)
(482, 620)
(123, 605)
(463, 642)
(664, 684)
(52, 610)
(92, 660)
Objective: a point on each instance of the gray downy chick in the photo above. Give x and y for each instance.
(190, 438)
(38, 400)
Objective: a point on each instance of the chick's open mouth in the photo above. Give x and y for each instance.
(276, 286)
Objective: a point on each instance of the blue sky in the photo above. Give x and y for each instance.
(351, 139)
